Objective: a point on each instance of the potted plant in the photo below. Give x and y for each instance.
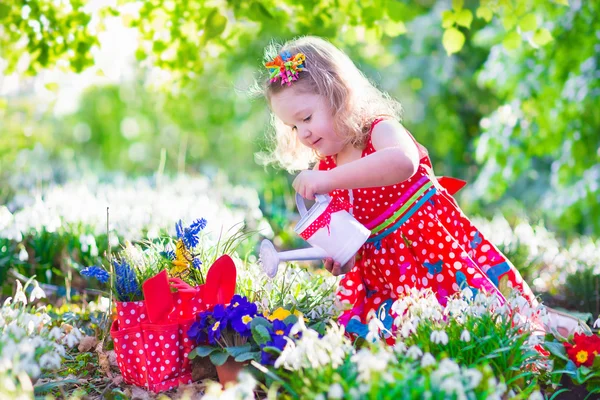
(575, 365)
(231, 335)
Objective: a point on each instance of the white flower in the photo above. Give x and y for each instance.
(50, 360)
(427, 360)
(407, 328)
(55, 333)
(20, 295)
(369, 362)
(465, 336)
(23, 255)
(36, 293)
(473, 376)
(439, 337)
(399, 347)
(597, 323)
(414, 352)
(72, 338)
(375, 327)
(536, 396)
(335, 391)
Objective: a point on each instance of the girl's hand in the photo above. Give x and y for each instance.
(309, 182)
(336, 269)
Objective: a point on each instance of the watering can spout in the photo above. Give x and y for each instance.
(270, 257)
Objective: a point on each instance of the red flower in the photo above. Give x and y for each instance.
(584, 349)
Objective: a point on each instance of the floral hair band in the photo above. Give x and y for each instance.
(286, 67)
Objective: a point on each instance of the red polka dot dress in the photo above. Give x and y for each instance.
(420, 239)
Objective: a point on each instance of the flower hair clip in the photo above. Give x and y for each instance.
(286, 67)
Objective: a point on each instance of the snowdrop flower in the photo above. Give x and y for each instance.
(72, 338)
(23, 255)
(439, 337)
(55, 333)
(427, 360)
(20, 296)
(399, 347)
(414, 352)
(407, 328)
(335, 391)
(465, 336)
(474, 377)
(36, 293)
(369, 362)
(50, 360)
(536, 396)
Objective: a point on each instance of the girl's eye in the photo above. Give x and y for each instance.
(307, 118)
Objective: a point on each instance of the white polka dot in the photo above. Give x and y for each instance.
(424, 281)
(439, 277)
(132, 312)
(457, 265)
(127, 321)
(481, 259)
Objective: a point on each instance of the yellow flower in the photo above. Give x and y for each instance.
(280, 314)
(246, 319)
(581, 356)
(216, 325)
(279, 332)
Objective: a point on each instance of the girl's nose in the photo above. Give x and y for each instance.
(304, 133)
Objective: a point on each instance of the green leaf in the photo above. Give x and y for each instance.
(260, 12)
(215, 24)
(512, 41)
(235, 351)
(458, 4)
(571, 366)
(453, 40)
(464, 18)
(290, 319)
(448, 19)
(51, 86)
(562, 2)
(528, 23)
(201, 351)
(542, 37)
(47, 387)
(485, 13)
(260, 321)
(509, 21)
(261, 335)
(393, 29)
(557, 349)
(396, 10)
(219, 357)
(272, 349)
(4, 10)
(255, 355)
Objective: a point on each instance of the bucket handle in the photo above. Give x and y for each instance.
(320, 198)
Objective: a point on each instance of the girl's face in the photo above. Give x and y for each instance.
(310, 118)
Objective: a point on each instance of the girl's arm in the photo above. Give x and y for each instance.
(395, 160)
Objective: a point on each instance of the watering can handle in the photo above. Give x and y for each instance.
(320, 198)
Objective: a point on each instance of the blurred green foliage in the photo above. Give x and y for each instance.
(512, 109)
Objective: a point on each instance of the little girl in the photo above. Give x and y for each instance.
(326, 112)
